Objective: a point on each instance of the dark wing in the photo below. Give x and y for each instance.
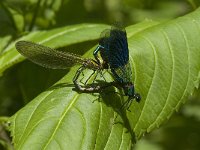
(123, 74)
(116, 52)
(47, 57)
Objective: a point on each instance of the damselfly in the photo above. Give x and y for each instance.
(113, 48)
(54, 59)
(114, 52)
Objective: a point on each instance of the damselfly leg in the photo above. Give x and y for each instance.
(76, 76)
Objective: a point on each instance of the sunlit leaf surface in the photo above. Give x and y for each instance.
(165, 63)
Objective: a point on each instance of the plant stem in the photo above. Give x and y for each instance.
(35, 15)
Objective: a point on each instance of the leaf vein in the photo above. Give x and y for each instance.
(59, 122)
(172, 75)
(25, 127)
(153, 78)
(100, 116)
(83, 125)
(110, 134)
(122, 139)
(189, 73)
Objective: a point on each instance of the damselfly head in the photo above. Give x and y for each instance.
(137, 97)
(130, 92)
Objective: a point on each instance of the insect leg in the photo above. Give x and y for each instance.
(126, 105)
(83, 88)
(89, 77)
(102, 76)
(130, 100)
(78, 72)
(95, 53)
(95, 77)
(98, 72)
(81, 80)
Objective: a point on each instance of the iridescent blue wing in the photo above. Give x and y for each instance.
(116, 53)
(116, 47)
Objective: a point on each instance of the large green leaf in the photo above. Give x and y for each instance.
(167, 65)
(165, 62)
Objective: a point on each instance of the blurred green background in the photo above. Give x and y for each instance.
(18, 17)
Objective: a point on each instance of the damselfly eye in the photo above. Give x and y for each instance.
(137, 97)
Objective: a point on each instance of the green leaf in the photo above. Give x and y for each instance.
(165, 62)
(61, 102)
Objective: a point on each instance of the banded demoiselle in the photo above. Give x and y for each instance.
(113, 48)
(54, 59)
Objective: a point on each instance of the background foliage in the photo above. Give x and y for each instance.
(18, 85)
